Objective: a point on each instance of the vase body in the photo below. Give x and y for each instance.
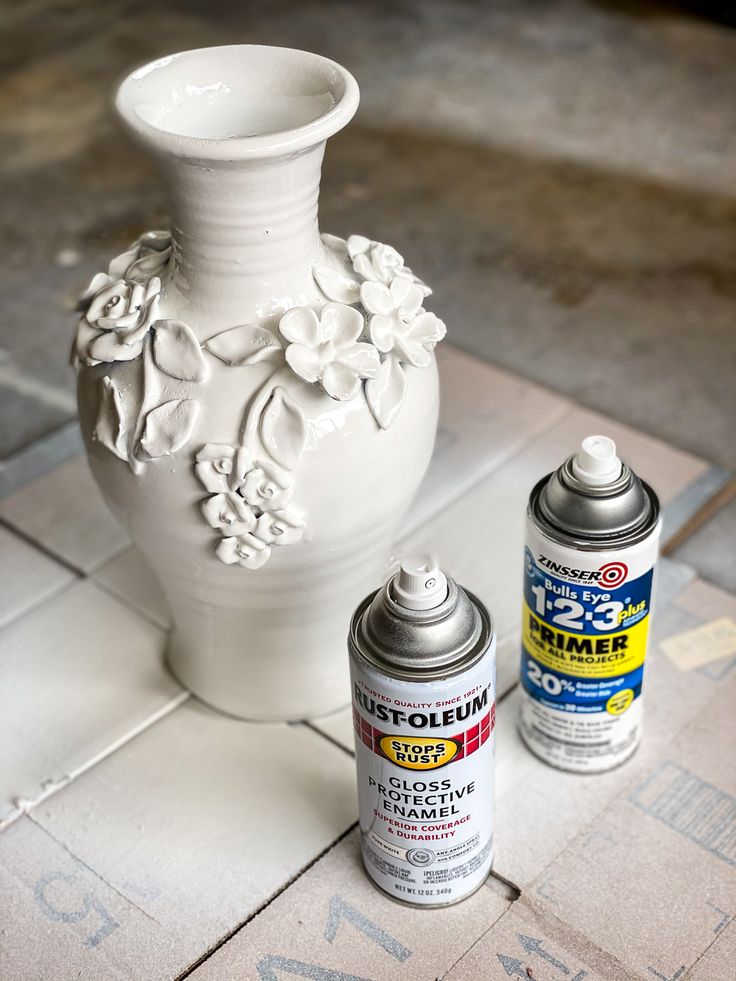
(260, 448)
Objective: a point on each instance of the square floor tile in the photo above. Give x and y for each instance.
(486, 415)
(77, 675)
(65, 511)
(28, 576)
(201, 819)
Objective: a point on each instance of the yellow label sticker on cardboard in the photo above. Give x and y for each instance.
(585, 655)
(694, 648)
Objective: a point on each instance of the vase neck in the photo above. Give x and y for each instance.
(245, 234)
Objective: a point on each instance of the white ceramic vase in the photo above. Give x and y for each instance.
(259, 402)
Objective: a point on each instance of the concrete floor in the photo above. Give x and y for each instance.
(562, 173)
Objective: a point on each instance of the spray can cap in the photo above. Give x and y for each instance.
(420, 583)
(596, 463)
(421, 623)
(594, 497)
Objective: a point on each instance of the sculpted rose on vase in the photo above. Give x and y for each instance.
(259, 401)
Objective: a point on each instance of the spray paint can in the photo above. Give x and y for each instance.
(423, 673)
(592, 538)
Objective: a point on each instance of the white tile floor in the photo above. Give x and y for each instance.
(201, 819)
(65, 512)
(333, 918)
(78, 675)
(35, 577)
(141, 829)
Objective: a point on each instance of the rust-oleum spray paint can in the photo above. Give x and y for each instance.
(592, 539)
(422, 664)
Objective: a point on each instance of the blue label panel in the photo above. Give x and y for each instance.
(582, 695)
(589, 608)
(577, 635)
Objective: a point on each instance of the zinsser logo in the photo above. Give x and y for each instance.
(419, 752)
(610, 574)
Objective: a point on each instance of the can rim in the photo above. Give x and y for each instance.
(467, 660)
(598, 543)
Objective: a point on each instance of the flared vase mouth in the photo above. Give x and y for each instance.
(240, 101)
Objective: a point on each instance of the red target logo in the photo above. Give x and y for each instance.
(613, 574)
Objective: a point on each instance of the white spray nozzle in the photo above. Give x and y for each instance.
(420, 584)
(596, 463)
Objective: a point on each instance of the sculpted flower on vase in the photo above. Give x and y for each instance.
(220, 467)
(147, 256)
(266, 486)
(229, 514)
(117, 319)
(325, 348)
(247, 505)
(398, 323)
(380, 263)
(347, 264)
(246, 551)
(280, 528)
(122, 303)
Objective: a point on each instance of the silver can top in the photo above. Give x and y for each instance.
(421, 623)
(595, 499)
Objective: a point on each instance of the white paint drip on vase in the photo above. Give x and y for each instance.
(259, 402)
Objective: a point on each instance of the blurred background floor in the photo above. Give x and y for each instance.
(561, 172)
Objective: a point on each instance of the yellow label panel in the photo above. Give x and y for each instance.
(618, 703)
(419, 752)
(585, 655)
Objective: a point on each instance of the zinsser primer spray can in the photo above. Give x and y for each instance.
(422, 663)
(592, 535)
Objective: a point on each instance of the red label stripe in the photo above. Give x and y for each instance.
(468, 741)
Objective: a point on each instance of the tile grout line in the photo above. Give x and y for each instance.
(41, 547)
(708, 509)
(325, 735)
(477, 940)
(80, 861)
(701, 955)
(39, 457)
(124, 601)
(25, 806)
(187, 972)
(38, 604)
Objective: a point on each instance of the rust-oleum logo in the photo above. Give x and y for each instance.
(420, 720)
(419, 752)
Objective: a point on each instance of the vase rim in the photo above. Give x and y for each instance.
(237, 102)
